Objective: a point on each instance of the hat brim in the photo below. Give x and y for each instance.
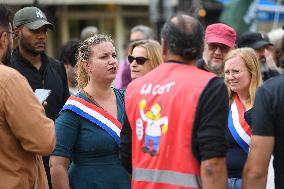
(223, 41)
(38, 24)
(260, 44)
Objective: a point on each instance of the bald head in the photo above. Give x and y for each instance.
(184, 36)
(185, 22)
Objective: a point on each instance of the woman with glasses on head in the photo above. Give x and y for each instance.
(144, 56)
(88, 127)
(242, 77)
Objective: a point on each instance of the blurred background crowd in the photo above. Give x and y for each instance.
(117, 17)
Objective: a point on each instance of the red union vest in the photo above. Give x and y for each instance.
(161, 110)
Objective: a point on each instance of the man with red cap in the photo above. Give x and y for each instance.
(219, 39)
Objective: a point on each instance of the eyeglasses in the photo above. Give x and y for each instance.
(214, 47)
(233, 73)
(140, 60)
(10, 32)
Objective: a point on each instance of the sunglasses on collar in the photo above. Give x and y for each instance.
(140, 60)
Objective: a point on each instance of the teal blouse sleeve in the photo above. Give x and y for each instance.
(67, 127)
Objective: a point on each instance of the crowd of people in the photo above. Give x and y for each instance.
(200, 109)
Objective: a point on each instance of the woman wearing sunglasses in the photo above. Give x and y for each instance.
(144, 56)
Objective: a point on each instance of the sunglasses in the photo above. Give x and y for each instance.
(140, 60)
(214, 47)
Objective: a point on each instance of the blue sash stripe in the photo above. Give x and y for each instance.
(235, 134)
(93, 120)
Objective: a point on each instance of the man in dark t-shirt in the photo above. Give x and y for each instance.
(197, 125)
(267, 136)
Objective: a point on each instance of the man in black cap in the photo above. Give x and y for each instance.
(42, 72)
(31, 27)
(258, 42)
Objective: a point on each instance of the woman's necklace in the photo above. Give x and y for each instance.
(92, 99)
(246, 104)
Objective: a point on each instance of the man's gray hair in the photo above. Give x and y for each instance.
(147, 31)
(88, 32)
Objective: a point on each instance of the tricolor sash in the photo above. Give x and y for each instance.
(94, 114)
(238, 126)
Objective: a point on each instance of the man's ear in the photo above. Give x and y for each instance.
(4, 40)
(164, 48)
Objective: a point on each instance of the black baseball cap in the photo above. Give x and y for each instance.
(253, 40)
(31, 17)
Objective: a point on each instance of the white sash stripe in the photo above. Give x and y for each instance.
(237, 124)
(94, 114)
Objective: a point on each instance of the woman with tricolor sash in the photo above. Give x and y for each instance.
(88, 127)
(242, 77)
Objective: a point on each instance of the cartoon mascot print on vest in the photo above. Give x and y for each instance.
(155, 127)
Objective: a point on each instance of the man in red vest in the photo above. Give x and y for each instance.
(176, 121)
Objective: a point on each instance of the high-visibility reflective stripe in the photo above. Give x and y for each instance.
(166, 177)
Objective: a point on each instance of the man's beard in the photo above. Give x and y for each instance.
(262, 60)
(217, 69)
(28, 48)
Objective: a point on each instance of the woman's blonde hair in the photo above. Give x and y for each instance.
(153, 49)
(251, 62)
(84, 53)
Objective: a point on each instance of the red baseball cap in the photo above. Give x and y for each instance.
(220, 33)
